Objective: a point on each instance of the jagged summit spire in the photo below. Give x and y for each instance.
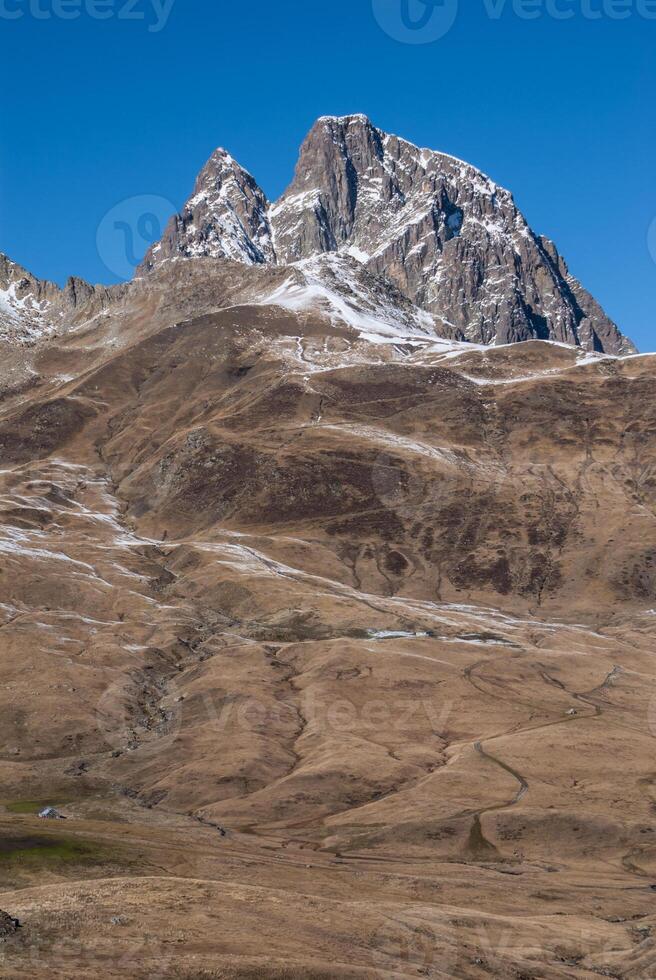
(226, 217)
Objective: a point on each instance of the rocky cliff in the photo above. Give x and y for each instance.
(440, 231)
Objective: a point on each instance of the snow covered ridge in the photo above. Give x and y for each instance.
(32, 309)
(333, 288)
(442, 233)
(26, 305)
(336, 287)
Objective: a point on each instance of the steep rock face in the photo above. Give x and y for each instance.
(595, 330)
(445, 235)
(449, 237)
(225, 218)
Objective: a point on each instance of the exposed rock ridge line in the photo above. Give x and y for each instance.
(372, 229)
(450, 238)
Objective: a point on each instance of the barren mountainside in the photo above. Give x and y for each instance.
(326, 629)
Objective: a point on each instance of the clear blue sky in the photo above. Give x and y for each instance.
(563, 112)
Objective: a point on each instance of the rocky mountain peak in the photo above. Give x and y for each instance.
(436, 228)
(438, 231)
(358, 188)
(444, 233)
(225, 218)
